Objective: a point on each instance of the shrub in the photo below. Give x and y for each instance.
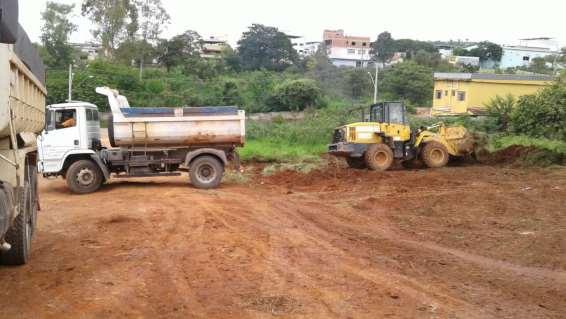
(500, 108)
(542, 114)
(295, 95)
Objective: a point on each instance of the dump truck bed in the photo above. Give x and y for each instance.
(21, 90)
(211, 126)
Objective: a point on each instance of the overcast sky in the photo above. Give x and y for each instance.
(501, 21)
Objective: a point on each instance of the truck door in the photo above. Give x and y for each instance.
(61, 135)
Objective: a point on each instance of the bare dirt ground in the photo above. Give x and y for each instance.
(460, 242)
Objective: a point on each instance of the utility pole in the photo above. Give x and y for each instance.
(70, 97)
(375, 82)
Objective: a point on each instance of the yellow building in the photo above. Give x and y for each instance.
(468, 93)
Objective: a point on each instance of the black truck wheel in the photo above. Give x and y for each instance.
(206, 172)
(84, 177)
(356, 162)
(20, 234)
(435, 155)
(379, 157)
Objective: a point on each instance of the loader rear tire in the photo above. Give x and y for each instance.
(435, 155)
(356, 162)
(379, 157)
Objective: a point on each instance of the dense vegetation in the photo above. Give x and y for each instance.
(265, 73)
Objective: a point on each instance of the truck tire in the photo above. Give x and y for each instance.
(84, 177)
(435, 155)
(379, 157)
(206, 172)
(32, 171)
(356, 162)
(20, 234)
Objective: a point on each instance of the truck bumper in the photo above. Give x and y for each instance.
(347, 149)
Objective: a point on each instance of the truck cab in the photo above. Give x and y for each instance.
(72, 131)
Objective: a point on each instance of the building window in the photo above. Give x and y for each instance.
(354, 43)
(526, 58)
(453, 92)
(438, 94)
(351, 51)
(446, 93)
(364, 44)
(328, 42)
(461, 96)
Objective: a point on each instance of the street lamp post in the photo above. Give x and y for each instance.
(374, 80)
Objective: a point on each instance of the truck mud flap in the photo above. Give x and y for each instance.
(103, 167)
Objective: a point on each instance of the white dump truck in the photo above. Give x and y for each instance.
(22, 117)
(144, 142)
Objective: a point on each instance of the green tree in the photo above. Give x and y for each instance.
(358, 83)
(485, 50)
(152, 19)
(131, 51)
(542, 114)
(180, 49)
(384, 47)
(55, 33)
(295, 95)
(409, 81)
(115, 20)
(266, 47)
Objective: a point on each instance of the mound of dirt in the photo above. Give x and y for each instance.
(519, 155)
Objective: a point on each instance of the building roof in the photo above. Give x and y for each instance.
(489, 76)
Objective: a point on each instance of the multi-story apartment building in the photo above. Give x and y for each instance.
(348, 51)
(212, 46)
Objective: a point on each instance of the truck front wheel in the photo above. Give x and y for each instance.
(84, 177)
(206, 172)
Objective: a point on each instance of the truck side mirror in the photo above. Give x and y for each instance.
(9, 25)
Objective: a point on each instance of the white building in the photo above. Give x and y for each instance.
(306, 48)
(527, 50)
(89, 50)
(347, 51)
(517, 56)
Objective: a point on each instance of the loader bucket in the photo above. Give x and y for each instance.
(461, 139)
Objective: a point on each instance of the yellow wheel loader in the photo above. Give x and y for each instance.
(387, 136)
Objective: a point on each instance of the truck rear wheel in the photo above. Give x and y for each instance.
(435, 155)
(206, 172)
(20, 234)
(84, 177)
(379, 157)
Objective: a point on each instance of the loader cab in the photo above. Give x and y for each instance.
(389, 113)
(70, 128)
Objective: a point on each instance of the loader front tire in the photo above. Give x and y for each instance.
(435, 155)
(379, 157)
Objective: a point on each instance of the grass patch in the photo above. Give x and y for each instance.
(269, 151)
(502, 142)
